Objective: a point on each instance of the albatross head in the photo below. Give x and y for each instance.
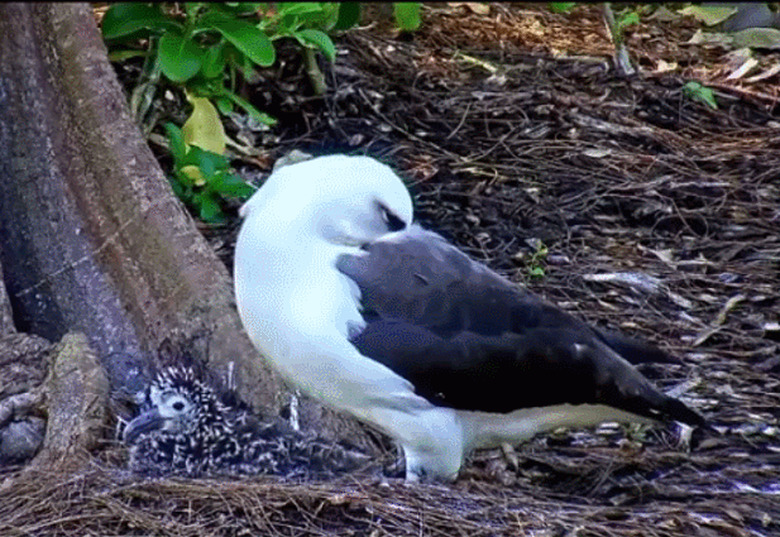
(343, 200)
(288, 289)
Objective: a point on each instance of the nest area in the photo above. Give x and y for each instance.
(660, 217)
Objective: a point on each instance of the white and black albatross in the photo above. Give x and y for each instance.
(369, 313)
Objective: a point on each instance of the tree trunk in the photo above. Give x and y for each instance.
(92, 238)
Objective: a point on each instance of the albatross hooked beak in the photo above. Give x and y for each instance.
(143, 423)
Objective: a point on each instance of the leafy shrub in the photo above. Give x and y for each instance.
(202, 48)
(204, 44)
(209, 43)
(202, 178)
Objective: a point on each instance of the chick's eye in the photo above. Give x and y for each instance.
(178, 405)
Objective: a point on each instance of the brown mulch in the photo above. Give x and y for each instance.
(660, 217)
(98, 501)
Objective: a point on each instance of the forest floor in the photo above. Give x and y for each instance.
(620, 200)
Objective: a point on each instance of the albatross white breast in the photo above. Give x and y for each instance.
(366, 311)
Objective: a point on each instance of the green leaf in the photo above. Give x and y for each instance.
(262, 117)
(561, 7)
(200, 167)
(180, 58)
(709, 15)
(224, 105)
(298, 8)
(216, 180)
(323, 18)
(253, 43)
(208, 208)
(127, 18)
(700, 93)
(407, 15)
(207, 162)
(349, 15)
(320, 40)
(209, 166)
(232, 185)
(206, 87)
(214, 61)
(176, 143)
(628, 19)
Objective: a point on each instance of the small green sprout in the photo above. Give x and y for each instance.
(700, 93)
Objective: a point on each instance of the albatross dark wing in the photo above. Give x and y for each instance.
(419, 277)
(541, 367)
(469, 339)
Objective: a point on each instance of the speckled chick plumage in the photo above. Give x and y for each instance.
(188, 427)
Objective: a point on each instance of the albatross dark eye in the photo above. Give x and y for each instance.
(391, 220)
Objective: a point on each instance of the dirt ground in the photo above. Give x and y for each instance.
(620, 200)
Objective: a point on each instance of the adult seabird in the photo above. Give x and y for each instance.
(366, 311)
(188, 426)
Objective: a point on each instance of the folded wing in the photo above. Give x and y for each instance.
(469, 339)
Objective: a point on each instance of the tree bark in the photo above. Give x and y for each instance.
(92, 238)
